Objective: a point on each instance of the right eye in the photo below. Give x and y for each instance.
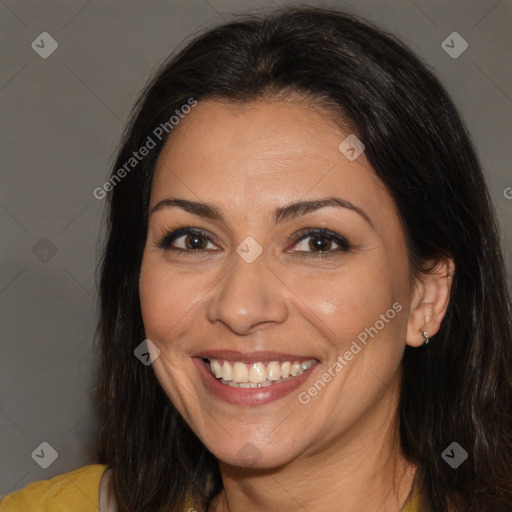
(188, 240)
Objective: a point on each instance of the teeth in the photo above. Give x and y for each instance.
(306, 365)
(240, 372)
(216, 369)
(273, 371)
(295, 369)
(258, 374)
(233, 384)
(226, 373)
(248, 384)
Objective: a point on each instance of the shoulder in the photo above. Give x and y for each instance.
(76, 491)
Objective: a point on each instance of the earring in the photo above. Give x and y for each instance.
(425, 337)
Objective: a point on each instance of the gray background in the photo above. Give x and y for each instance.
(61, 123)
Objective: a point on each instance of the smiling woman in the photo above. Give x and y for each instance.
(310, 262)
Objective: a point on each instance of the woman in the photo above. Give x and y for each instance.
(303, 301)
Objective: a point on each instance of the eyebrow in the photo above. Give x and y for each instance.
(288, 212)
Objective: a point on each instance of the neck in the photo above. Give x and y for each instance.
(360, 470)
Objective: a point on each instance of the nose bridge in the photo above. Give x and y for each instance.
(249, 294)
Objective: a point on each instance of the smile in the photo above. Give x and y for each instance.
(253, 378)
(257, 374)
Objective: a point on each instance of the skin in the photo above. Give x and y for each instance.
(249, 160)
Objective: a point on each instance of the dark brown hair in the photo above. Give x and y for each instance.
(457, 388)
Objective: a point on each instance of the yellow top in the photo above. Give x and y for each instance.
(78, 491)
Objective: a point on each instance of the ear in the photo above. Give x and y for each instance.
(430, 299)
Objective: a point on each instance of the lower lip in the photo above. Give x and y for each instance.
(250, 396)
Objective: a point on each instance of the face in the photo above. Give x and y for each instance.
(306, 302)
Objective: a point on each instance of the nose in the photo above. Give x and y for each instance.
(249, 296)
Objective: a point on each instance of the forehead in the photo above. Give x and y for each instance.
(263, 154)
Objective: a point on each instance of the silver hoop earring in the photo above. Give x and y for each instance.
(425, 337)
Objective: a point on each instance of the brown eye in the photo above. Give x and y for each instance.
(186, 240)
(319, 242)
(195, 241)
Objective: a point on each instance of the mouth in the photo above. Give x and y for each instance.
(257, 374)
(253, 379)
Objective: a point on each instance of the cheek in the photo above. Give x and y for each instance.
(165, 298)
(349, 300)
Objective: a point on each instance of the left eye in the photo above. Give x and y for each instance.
(321, 241)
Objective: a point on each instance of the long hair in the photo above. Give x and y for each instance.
(458, 388)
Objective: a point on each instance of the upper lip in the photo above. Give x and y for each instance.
(250, 357)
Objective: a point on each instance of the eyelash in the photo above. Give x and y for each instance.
(344, 246)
